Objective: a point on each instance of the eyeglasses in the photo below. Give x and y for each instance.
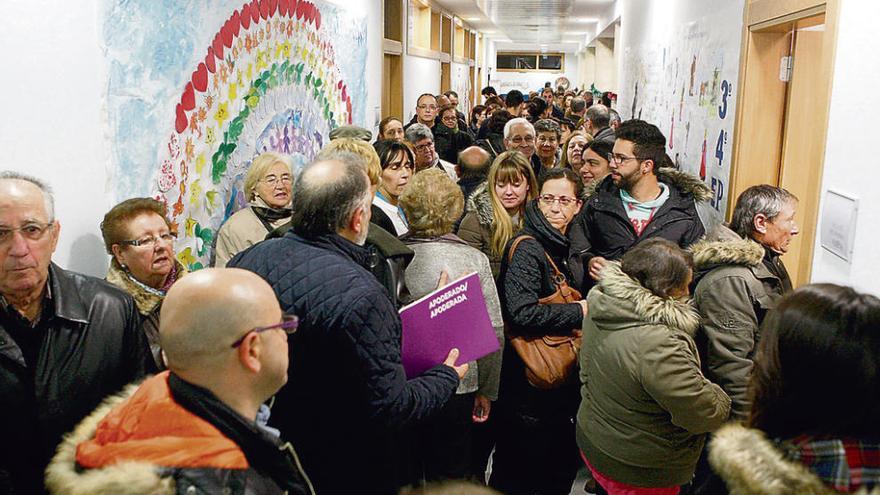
(289, 324)
(274, 179)
(519, 140)
(618, 158)
(425, 147)
(548, 139)
(31, 231)
(564, 201)
(150, 241)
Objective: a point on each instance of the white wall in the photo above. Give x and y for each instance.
(53, 124)
(420, 76)
(850, 159)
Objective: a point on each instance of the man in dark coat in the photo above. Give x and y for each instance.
(347, 397)
(636, 201)
(66, 340)
(598, 123)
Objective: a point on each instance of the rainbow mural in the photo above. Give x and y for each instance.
(270, 78)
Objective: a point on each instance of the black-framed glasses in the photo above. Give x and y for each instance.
(289, 324)
(149, 241)
(618, 158)
(32, 231)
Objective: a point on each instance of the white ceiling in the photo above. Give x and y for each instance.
(546, 24)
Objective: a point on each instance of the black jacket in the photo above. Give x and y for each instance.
(347, 394)
(603, 228)
(449, 143)
(524, 279)
(93, 346)
(377, 217)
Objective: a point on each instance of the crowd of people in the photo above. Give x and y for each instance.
(656, 353)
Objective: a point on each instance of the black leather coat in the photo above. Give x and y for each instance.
(92, 347)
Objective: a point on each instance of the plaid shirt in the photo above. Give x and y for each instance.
(843, 464)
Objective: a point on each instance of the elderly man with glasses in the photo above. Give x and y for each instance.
(422, 140)
(66, 340)
(197, 427)
(519, 135)
(641, 198)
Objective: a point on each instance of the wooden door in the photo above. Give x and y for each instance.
(803, 141)
(445, 77)
(782, 114)
(392, 86)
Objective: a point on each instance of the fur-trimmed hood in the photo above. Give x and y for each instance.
(480, 202)
(145, 300)
(63, 477)
(590, 189)
(724, 247)
(750, 464)
(686, 183)
(634, 302)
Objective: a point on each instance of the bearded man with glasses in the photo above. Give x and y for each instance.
(66, 340)
(643, 197)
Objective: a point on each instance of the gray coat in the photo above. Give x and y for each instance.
(458, 259)
(734, 292)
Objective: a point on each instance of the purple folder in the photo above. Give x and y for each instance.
(453, 316)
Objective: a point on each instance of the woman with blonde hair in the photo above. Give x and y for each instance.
(268, 186)
(495, 210)
(573, 150)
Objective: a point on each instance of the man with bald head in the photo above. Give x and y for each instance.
(347, 398)
(66, 340)
(196, 425)
(473, 169)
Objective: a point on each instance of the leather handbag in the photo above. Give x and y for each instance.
(550, 360)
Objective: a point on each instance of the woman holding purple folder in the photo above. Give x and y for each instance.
(432, 203)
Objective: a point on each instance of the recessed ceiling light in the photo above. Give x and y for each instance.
(586, 19)
(472, 19)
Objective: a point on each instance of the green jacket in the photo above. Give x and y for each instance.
(734, 292)
(645, 407)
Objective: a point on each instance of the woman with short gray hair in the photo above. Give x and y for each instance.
(268, 187)
(432, 203)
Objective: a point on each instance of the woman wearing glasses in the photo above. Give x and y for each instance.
(138, 236)
(267, 185)
(535, 451)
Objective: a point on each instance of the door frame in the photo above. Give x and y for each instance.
(758, 130)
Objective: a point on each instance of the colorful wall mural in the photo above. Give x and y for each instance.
(197, 89)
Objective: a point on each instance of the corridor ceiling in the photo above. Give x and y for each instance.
(531, 22)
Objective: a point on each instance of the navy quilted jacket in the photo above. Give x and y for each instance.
(347, 396)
